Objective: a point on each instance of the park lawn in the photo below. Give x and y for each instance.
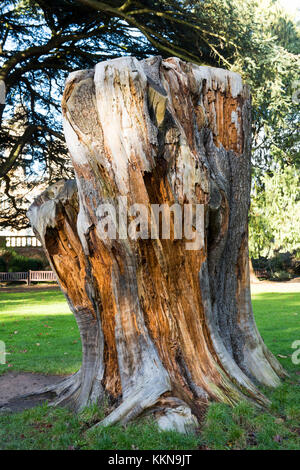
(278, 320)
(241, 427)
(40, 333)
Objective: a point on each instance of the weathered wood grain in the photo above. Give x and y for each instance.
(164, 328)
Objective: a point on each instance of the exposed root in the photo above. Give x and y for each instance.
(170, 413)
(60, 393)
(178, 419)
(138, 401)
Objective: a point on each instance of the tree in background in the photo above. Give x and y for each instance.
(41, 42)
(275, 213)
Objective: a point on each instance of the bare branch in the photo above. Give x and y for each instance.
(16, 150)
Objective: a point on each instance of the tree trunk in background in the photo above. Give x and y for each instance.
(253, 277)
(164, 329)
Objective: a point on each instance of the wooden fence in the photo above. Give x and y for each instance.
(29, 276)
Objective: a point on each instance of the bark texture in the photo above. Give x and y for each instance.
(164, 329)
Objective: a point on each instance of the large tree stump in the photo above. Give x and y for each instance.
(164, 328)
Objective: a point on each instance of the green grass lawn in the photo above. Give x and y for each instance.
(40, 333)
(41, 336)
(278, 320)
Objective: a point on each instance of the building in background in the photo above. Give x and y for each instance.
(12, 237)
(13, 190)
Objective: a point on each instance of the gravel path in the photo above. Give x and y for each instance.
(276, 287)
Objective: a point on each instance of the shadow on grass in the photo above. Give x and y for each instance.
(44, 343)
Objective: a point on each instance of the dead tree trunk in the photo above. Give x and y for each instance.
(164, 329)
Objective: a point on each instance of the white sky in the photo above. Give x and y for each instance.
(293, 6)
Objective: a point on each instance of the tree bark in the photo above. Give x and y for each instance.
(164, 329)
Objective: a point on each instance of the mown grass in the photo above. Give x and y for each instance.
(46, 428)
(278, 320)
(241, 427)
(40, 333)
